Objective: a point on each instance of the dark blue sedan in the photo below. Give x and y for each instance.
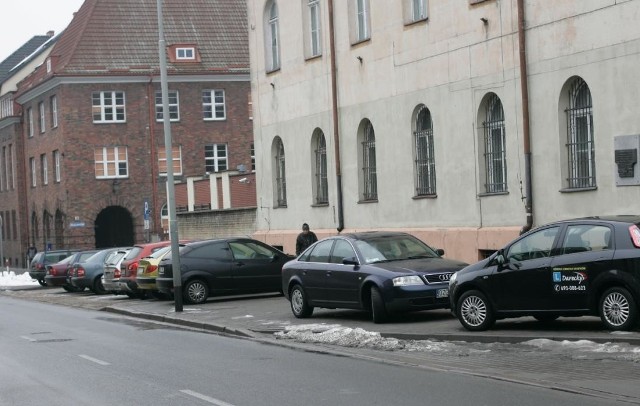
(380, 272)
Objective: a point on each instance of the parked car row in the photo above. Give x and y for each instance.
(588, 266)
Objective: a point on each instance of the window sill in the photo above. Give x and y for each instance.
(320, 205)
(272, 71)
(581, 189)
(492, 194)
(360, 41)
(367, 201)
(280, 207)
(419, 197)
(412, 23)
(312, 58)
(215, 119)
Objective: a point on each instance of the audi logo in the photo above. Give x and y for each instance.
(445, 276)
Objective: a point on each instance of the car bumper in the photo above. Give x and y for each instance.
(164, 285)
(146, 283)
(55, 280)
(80, 282)
(111, 285)
(128, 285)
(414, 298)
(38, 275)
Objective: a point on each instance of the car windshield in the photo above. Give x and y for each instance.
(393, 248)
(133, 253)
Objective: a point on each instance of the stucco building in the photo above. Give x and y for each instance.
(460, 121)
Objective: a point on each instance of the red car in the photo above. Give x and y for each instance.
(129, 266)
(57, 273)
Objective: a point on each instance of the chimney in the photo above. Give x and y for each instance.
(50, 33)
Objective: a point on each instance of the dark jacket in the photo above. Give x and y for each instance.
(305, 240)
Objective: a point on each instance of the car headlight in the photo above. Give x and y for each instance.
(407, 281)
(453, 278)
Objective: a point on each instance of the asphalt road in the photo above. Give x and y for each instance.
(59, 355)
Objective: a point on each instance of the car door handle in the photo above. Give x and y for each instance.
(328, 273)
(240, 263)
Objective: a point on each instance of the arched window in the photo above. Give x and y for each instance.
(369, 181)
(279, 173)
(580, 145)
(425, 165)
(320, 187)
(272, 40)
(494, 147)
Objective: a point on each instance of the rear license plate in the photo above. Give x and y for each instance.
(440, 293)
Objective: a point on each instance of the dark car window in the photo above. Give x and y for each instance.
(586, 237)
(248, 250)
(217, 251)
(135, 251)
(321, 251)
(535, 245)
(341, 251)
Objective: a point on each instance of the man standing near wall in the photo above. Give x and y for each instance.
(305, 239)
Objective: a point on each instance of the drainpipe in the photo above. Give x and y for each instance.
(334, 101)
(525, 119)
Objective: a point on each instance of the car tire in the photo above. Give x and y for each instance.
(98, 287)
(298, 300)
(618, 310)
(378, 309)
(42, 282)
(196, 291)
(474, 311)
(71, 289)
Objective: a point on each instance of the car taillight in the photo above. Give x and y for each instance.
(151, 268)
(634, 232)
(116, 273)
(80, 272)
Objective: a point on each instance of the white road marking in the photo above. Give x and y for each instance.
(97, 361)
(29, 338)
(205, 398)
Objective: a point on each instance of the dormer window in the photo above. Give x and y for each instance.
(48, 65)
(185, 54)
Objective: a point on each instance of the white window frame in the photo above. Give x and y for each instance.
(101, 107)
(54, 111)
(314, 29)
(116, 163)
(32, 163)
(30, 120)
(45, 169)
(185, 54)
(272, 37)
(363, 30)
(216, 161)
(174, 105)
(415, 10)
(41, 113)
(210, 109)
(176, 157)
(56, 162)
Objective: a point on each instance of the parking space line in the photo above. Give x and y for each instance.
(97, 361)
(205, 398)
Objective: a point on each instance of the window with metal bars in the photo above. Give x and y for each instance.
(321, 187)
(580, 146)
(281, 184)
(494, 147)
(425, 165)
(369, 176)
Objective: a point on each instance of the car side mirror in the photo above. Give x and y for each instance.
(500, 260)
(440, 251)
(350, 261)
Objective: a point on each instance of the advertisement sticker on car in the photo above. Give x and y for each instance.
(570, 279)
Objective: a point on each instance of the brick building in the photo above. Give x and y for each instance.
(94, 155)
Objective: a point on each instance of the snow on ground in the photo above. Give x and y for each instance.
(335, 334)
(10, 278)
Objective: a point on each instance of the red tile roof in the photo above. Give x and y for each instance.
(120, 37)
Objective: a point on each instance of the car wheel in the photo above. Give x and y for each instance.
(474, 311)
(378, 309)
(545, 318)
(98, 287)
(70, 288)
(42, 282)
(618, 309)
(196, 291)
(299, 305)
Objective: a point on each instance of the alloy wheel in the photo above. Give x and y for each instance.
(616, 308)
(474, 311)
(196, 292)
(297, 301)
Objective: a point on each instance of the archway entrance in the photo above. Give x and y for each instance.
(114, 228)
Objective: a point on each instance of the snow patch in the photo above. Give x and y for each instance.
(9, 278)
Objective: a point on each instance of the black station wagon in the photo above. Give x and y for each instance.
(380, 272)
(587, 266)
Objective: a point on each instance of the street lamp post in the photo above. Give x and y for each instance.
(171, 201)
